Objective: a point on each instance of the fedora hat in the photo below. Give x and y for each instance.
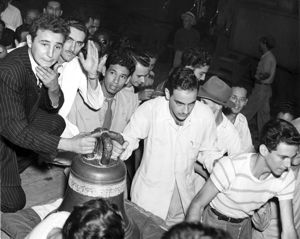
(189, 15)
(216, 90)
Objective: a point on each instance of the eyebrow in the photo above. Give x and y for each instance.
(177, 101)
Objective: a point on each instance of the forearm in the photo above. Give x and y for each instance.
(65, 144)
(289, 234)
(55, 97)
(93, 81)
(195, 210)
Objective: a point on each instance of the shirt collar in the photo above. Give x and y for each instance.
(32, 62)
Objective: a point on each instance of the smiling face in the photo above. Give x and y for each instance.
(181, 103)
(114, 79)
(279, 160)
(73, 44)
(239, 98)
(46, 47)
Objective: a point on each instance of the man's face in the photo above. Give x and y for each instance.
(115, 79)
(239, 98)
(53, 8)
(95, 24)
(279, 160)
(200, 72)
(46, 47)
(181, 103)
(215, 108)
(187, 22)
(73, 44)
(139, 75)
(31, 16)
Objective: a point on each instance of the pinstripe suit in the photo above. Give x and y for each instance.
(27, 121)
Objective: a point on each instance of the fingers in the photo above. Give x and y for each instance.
(81, 57)
(117, 149)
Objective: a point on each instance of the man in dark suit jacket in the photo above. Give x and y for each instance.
(30, 98)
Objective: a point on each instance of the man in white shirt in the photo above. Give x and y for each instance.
(216, 94)
(116, 72)
(239, 98)
(78, 74)
(177, 130)
(259, 99)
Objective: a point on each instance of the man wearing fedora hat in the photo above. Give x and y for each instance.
(216, 94)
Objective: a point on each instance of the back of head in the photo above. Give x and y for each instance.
(79, 25)
(21, 32)
(48, 22)
(139, 56)
(182, 78)
(278, 131)
(195, 57)
(120, 57)
(96, 218)
(268, 40)
(194, 230)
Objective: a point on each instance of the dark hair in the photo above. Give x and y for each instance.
(51, 23)
(120, 57)
(241, 85)
(58, 1)
(194, 230)
(139, 56)
(269, 41)
(97, 218)
(79, 26)
(195, 57)
(287, 106)
(182, 78)
(20, 30)
(278, 131)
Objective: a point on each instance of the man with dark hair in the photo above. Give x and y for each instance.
(259, 99)
(78, 74)
(177, 130)
(30, 98)
(194, 230)
(118, 106)
(53, 8)
(97, 218)
(240, 185)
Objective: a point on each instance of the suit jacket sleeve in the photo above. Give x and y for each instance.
(14, 125)
(46, 104)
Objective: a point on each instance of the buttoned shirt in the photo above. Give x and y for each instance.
(123, 105)
(71, 80)
(228, 137)
(170, 152)
(241, 124)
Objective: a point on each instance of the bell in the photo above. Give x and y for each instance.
(93, 176)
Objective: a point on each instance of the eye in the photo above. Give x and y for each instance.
(58, 47)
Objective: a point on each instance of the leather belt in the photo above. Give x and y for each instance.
(225, 218)
(261, 83)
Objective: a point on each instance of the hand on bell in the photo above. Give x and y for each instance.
(118, 150)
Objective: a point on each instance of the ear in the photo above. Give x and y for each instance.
(103, 70)
(29, 40)
(263, 150)
(167, 94)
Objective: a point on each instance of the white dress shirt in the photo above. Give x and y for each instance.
(71, 80)
(241, 124)
(170, 152)
(228, 137)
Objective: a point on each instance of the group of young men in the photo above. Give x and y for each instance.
(198, 160)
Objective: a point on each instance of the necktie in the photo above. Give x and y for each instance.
(108, 115)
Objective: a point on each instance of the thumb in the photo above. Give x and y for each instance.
(125, 145)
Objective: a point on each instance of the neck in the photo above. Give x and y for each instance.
(232, 117)
(106, 94)
(219, 117)
(259, 167)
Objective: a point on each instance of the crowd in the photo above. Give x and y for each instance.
(199, 169)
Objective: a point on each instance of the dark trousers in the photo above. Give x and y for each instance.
(13, 197)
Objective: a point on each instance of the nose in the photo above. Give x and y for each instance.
(288, 163)
(73, 45)
(142, 79)
(50, 51)
(185, 109)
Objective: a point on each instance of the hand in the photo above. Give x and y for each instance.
(90, 64)
(149, 80)
(145, 94)
(102, 63)
(118, 150)
(83, 143)
(48, 77)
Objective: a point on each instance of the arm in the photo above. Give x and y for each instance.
(201, 200)
(286, 215)
(89, 86)
(268, 72)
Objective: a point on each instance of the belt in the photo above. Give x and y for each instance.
(225, 218)
(261, 83)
